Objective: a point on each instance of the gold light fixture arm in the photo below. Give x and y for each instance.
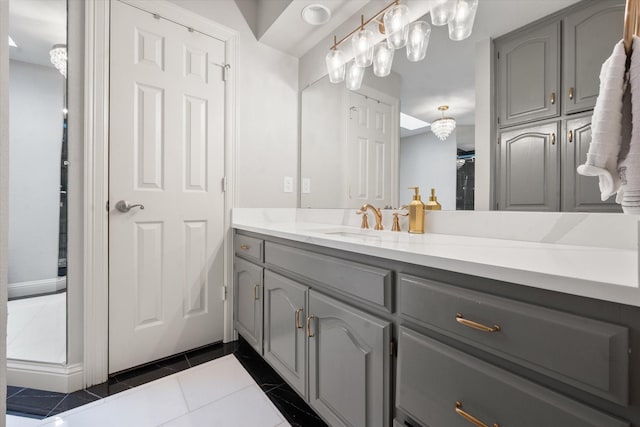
(364, 24)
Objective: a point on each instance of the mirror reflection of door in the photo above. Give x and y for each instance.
(36, 327)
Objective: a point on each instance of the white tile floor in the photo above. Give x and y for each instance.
(219, 393)
(37, 328)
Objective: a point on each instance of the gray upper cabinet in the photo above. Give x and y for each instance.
(529, 168)
(581, 193)
(349, 364)
(529, 75)
(589, 36)
(285, 310)
(248, 302)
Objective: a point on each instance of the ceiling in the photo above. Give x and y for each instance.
(35, 26)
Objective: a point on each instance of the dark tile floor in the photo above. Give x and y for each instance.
(40, 404)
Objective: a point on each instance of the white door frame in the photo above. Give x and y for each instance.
(96, 172)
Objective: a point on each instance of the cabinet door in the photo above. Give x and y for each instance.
(349, 362)
(529, 168)
(248, 301)
(581, 193)
(284, 317)
(529, 75)
(589, 36)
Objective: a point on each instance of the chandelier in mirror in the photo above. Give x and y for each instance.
(58, 56)
(393, 22)
(443, 127)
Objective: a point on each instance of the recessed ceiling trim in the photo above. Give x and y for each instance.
(316, 14)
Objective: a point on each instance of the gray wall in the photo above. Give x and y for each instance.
(428, 163)
(36, 102)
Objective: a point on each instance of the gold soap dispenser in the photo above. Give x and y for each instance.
(416, 213)
(432, 204)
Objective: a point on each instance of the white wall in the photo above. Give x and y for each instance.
(4, 199)
(267, 112)
(36, 103)
(485, 135)
(428, 163)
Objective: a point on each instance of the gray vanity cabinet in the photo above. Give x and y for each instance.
(349, 364)
(580, 193)
(589, 36)
(248, 301)
(529, 168)
(529, 75)
(285, 303)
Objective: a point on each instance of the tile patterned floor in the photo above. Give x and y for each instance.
(207, 387)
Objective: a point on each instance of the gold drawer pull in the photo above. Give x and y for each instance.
(298, 324)
(255, 292)
(475, 325)
(553, 138)
(570, 136)
(552, 98)
(473, 420)
(571, 93)
(309, 334)
(245, 247)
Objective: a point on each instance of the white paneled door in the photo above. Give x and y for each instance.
(369, 142)
(166, 153)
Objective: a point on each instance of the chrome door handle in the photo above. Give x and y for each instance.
(125, 206)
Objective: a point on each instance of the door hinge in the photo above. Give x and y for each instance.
(224, 293)
(225, 69)
(393, 348)
(498, 119)
(107, 206)
(224, 184)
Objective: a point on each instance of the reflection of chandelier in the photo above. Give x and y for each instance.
(443, 127)
(59, 58)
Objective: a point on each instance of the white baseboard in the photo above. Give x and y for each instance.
(36, 287)
(43, 376)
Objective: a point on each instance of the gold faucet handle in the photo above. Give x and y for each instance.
(365, 221)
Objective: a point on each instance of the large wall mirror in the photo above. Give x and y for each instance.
(37, 308)
(337, 172)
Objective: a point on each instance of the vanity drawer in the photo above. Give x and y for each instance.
(366, 283)
(432, 377)
(588, 354)
(249, 247)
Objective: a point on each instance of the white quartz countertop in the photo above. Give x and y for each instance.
(596, 271)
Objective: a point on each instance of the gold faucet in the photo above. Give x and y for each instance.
(376, 212)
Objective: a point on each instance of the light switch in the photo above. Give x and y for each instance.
(288, 184)
(306, 185)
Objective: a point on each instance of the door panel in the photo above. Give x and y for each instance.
(285, 309)
(348, 364)
(529, 168)
(167, 153)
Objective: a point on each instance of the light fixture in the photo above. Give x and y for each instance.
(411, 123)
(58, 56)
(396, 20)
(335, 65)
(316, 14)
(418, 40)
(355, 73)
(461, 24)
(442, 12)
(12, 43)
(362, 43)
(443, 127)
(382, 59)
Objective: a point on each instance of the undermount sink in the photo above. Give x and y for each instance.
(353, 235)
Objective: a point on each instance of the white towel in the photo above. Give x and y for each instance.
(606, 125)
(629, 157)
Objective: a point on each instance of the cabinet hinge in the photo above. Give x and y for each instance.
(224, 293)
(498, 140)
(393, 348)
(498, 119)
(224, 184)
(498, 54)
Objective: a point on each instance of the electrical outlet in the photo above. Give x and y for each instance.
(306, 185)
(288, 184)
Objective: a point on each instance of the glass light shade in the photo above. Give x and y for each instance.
(355, 73)
(461, 23)
(442, 12)
(396, 20)
(418, 40)
(382, 59)
(335, 66)
(443, 127)
(362, 43)
(58, 56)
